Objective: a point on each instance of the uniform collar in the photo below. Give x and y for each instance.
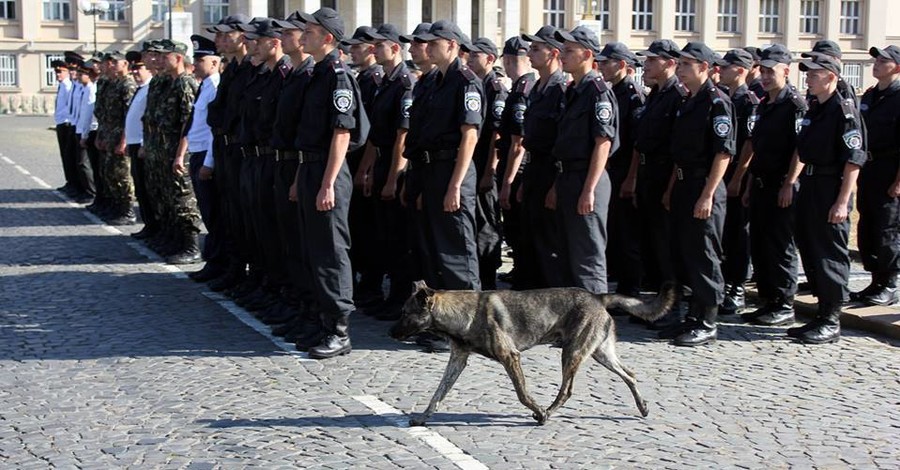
(671, 82)
(890, 90)
(397, 72)
(585, 81)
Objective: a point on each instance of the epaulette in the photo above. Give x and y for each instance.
(600, 83)
(754, 100)
(285, 69)
(848, 107)
(406, 81)
(337, 66)
(468, 73)
(497, 85)
(525, 86)
(681, 89)
(377, 77)
(717, 95)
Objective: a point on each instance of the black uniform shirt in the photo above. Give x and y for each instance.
(512, 119)
(545, 105)
(831, 134)
(251, 103)
(216, 109)
(591, 111)
(654, 131)
(630, 99)
(331, 102)
(390, 108)
(269, 100)
(881, 113)
(369, 80)
(287, 113)
(745, 103)
(235, 94)
(495, 98)
(425, 81)
(756, 87)
(774, 135)
(450, 102)
(703, 127)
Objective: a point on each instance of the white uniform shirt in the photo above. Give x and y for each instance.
(134, 128)
(199, 136)
(87, 122)
(63, 97)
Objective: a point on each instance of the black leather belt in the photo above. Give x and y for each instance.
(230, 139)
(878, 155)
(285, 155)
(572, 165)
(768, 181)
(822, 170)
(653, 159)
(309, 157)
(682, 174)
(429, 156)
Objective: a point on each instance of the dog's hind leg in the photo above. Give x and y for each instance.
(510, 360)
(570, 363)
(606, 354)
(458, 360)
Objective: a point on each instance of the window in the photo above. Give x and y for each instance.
(685, 15)
(378, 12)
(160, 8)
(329, 4)
(116, 11)
(427, 11)
(802, 85)
(642, 18)
(555, 13)
(601, 7)
(809, 16)
(850, 16)
(639, 77)
(8, 10)
(215, 10)
(768, 16)
(58, 10)
(9, 72)
(49, 72)
(852, 74)
(728, 16)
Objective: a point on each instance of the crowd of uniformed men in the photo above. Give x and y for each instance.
(287, 154)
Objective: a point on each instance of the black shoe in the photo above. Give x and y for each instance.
(280, 314)
(671, 319)
(228, 281)
(331, 346)
(824, 333)
(867, 291)
(208, 273)
(145, 233)
(285, 329)
(261, 303)
(884, 296)
(697, 336)
(189, 252)
(676, 330)
(83, 198)
(776, 317)
(798, 331)
(734, 300)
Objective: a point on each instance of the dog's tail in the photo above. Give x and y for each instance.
(649, 311)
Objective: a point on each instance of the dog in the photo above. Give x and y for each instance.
(501, 324)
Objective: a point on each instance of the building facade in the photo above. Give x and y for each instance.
(35, 32)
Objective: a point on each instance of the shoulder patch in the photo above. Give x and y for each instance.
(603, 111)
(342, 100)
(519, 112)
(853, 139)
(473, 101)
(601, 85)
(722, 126)
(404, 107)
(682, 90)
(406, 80)
(468, 73)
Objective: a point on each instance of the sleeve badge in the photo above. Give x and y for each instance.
(473, 101)
(342, 100)
(722, 126)
(519, 112)
(853, 139)
(603, 111)
(499, 106)
(404, 107)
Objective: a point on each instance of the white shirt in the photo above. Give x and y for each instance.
(63, 96)
(199, 136)
(134, 128)
(86, 120)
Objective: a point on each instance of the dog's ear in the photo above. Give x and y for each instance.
(419, 285)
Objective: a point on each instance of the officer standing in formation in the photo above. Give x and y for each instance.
(268, 151)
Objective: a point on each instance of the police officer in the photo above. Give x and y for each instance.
(879, 181)
(733, 71)
(624, 248)
(488, 232)
(831, 150)
(444, 125)
(586, 136)
(323, 182)
(754, 79)
(143, 73)
(771, 189)
(833, 50)
(702, 144)
(546, 102)
(653, 152)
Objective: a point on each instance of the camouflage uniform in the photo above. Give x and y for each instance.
(174, 110)
(154, 153)
(101, 108)
(116, 169)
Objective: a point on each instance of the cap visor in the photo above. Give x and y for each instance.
(563, 36)
(371, 37)
(352, 42)
(287, 25)
(531, 38)
(876, 52)
(427, 37)
(769, 64)
(308, 18)
(407, 38)
(251, 36)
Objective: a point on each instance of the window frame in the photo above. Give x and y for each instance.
(117, 8)
(215, 10)
(49, 71)
(686, 16)
(9, 69)
(642, 19)
(852, 73)
(723, 18)
(807, 17)
(847, 21)
(63, 10)
(555, 13)
(8, 10)
(770, 15)
(158, 10)
(603, 15)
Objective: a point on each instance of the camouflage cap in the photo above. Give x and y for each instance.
(169, 46)
(114, 55)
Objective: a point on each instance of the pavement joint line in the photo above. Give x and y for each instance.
(7, 160)
(22, 170)
(433, 439)
(40, 182)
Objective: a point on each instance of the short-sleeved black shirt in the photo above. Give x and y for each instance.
(390, 108)
(448, 103)
(630, 99)
(831, 134)
(880, 110)
(369, 80)
(269, 100)
(745, 103)
(654, 131)
(703, 127)
(234, 96)
(332, 97)
(215, 117)
(512, 120)
(591, 111)
(495, 98)
(545, 106)
(774, 135)
(287, 113)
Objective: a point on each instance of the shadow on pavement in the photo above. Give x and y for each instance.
(11, 217)
(372, 420)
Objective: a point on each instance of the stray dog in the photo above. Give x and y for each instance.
(501, 324)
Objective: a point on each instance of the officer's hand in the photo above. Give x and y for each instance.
(586, 203)
(838, 213)
(745, 198)
(389, 191)
(786, 196)
(120, 149)
(667, 200)
(178, 166)
(84, 143)
(550, 198)
(894, 189)
(504, 196)
(100, 145)
(292, 192)
(325, 198)
(359, 179)
(734, 187)
(486, 183)
(703, 208)
(520, 194)
(627, 189)
(141, 152)
(451, 200)
(206, 173)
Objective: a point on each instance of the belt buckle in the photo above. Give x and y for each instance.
(869, 156)
(426, 156)
(809, 170)
(643, 159)
(559, 166)
(679, 174)
(759, 183)
(300, 157)
(277, 155)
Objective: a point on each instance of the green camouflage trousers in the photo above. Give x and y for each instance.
(116, 174)
(176, 194)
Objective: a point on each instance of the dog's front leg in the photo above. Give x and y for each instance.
(513, 366)
(458, 360)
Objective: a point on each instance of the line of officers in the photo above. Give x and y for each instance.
(429, 165)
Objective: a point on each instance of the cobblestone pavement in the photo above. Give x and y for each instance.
(108, 359)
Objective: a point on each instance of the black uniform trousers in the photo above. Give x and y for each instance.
(736, 239)
(450, 236)
(772, 246)
(226, 242)
(823, 245)
(422, 266)
(697, 243)
(230, 170)
(624, 248)
(488, 234)
(582, 237)
(65, 136)
(325, 236)
(512, 232)
(364, 252)
(141, 193)
(247, 200)
(208, 203)
(290, 234)
(84, 163)
(653, 179)
(265, 220)
(878, 231)
(539, 264)
(391, 232)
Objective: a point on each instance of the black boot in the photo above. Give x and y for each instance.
(337, 342)
(123, 214)
(190, 250)
(778, 313)
(828, 329)
(872, 288)
(734, 300)
(885, 294)
(311, 330)
(704, 332)
(147, 232)
(209, 272)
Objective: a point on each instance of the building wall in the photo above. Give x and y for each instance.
(29, 38)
